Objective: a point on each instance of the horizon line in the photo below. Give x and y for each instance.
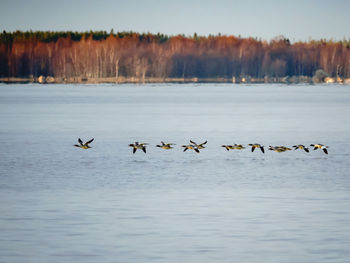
(218, 34)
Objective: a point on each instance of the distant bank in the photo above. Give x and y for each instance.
(121, 80)
(128, 57)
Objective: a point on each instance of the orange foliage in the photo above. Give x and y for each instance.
(135, 55)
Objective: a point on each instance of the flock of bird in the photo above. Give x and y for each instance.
(196, 147)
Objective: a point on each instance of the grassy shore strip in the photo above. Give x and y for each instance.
(83, 80)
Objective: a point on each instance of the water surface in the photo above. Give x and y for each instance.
(64, 204)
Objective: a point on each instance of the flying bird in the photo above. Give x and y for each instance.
(256, 145)
(227, 147)
(301, 147)
(136, 146)
(199, 146)
(233, 147)
(320, 146)
(190, 147)
(84, 145)
(279, 149)
(165, 146)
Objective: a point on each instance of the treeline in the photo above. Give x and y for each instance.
(128, 54)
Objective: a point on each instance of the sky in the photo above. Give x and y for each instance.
(298, 20)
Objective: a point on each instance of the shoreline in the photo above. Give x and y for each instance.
(135, 80)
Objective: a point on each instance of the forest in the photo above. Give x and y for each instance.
(100, 54)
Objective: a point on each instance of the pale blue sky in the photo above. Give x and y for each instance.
(295, 19)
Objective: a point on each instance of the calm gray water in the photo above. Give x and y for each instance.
(60, 203)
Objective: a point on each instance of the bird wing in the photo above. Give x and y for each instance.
(262, 149)
(325, 150)
(80, 141)
(144, 149)
(89, 141)
(134, 150)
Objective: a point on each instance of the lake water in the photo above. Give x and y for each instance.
(60, 203)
